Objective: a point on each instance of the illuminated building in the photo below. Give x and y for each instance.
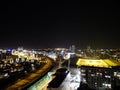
(20, 48)
(100, 74)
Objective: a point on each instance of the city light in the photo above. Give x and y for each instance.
(98, 63)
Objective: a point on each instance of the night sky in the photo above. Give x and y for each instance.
(48, 24)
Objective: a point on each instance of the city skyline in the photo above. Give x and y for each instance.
(60, 24)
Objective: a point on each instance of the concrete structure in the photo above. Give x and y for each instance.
(60, 75)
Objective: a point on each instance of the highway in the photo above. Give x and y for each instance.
(43, 83)
(71, 82)
(20, 83)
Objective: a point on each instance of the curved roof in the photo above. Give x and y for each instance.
(107, 63)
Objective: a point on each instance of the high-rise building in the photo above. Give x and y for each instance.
(72, 48)
(102, 74)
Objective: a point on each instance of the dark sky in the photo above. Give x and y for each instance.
(42, 24)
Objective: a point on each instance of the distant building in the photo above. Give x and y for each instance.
(72, 48)
(102, 74)
(20, 48)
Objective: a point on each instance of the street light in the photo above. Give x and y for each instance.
(68, 64)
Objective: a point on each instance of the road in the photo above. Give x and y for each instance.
(43, 83)
(20, 83)
(71, 82)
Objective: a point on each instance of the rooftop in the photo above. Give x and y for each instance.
(106, 63)
(60, 75)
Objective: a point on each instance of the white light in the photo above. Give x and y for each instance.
(107, 76)
(6, 74)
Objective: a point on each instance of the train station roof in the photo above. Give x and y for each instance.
(105, 63)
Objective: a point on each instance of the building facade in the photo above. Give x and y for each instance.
(100, 74)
